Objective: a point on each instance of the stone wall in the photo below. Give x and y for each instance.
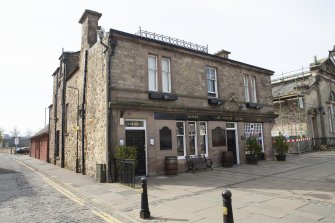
(188, 77)
(95, 129)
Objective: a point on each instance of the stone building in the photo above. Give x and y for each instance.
(165, 96)
(305, 102)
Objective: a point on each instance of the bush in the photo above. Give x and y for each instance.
(126, 152)
(280, 144)
(253, 146)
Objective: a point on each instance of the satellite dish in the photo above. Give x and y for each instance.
(101, 32)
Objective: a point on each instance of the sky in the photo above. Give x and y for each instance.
(280, 35)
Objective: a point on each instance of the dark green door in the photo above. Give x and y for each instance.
(137, 138)
(231, 143)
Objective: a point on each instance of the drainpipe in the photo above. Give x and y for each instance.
(110, 164)
(83, 117)
(55, 121)
(63, 111)
(48, 145)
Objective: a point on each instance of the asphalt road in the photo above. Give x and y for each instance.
(26, 196)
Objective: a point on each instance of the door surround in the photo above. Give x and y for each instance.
(144, 127)
(236, 141)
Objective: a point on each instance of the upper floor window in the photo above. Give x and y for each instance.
(211, 82)
(152, 73)
(250, 89)
(246, 88)
(166, 75)
(253, 90)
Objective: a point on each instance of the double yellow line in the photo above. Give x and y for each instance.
(72, 196)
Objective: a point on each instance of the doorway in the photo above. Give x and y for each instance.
(231, 143)
(137, 138)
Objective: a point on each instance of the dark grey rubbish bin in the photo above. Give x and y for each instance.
(101, 173)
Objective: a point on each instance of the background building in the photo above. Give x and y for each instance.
(305, 103)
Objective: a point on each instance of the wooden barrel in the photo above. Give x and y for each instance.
(171, 165)
(227, 159)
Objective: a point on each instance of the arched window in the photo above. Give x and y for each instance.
(165, 138)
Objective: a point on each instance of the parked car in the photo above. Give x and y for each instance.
(23, 150)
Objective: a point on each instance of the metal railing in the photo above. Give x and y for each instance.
(173, 41)
(317, 142)
(125, 172)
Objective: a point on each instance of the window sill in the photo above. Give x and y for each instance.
(254, 105)
(162, 96)
(216, 101)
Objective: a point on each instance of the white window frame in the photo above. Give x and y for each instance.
(195, 138)
(250, 129)
(184, 139)
(155, 71)
(246, 88)
(253, 90)
(168, 73)
(215, 92)
(206, 137)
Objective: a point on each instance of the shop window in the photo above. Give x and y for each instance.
(218, 137)
(180, 127)
(203, 138)
(255, 130)
(165, 138)
(192, 138)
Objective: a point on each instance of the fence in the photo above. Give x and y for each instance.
(125, 171)
(317, 142)
(7, 150)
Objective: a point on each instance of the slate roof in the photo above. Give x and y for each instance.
(293, 85)
(44, 131)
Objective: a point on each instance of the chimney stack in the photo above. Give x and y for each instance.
(89, 21)
(222, 53)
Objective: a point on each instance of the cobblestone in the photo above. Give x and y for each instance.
(26, 197)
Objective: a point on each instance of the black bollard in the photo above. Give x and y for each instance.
(227, 208)
(145, 213)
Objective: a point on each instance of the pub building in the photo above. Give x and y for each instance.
(168, 97)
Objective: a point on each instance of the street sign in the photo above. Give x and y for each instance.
(16, 141)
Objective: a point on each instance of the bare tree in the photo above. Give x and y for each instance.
(15, 132)
(29, 133)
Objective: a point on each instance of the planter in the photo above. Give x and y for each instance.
(252, 159)
(261, 156)
(227, 159)
(281, 157)
(171, 165)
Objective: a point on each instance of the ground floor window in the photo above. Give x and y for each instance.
(254, 129)
(192, 138)
(181, 148)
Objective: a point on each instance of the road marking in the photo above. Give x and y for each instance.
(106, 216)
(62, 190)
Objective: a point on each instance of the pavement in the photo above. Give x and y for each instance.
(301, 189)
